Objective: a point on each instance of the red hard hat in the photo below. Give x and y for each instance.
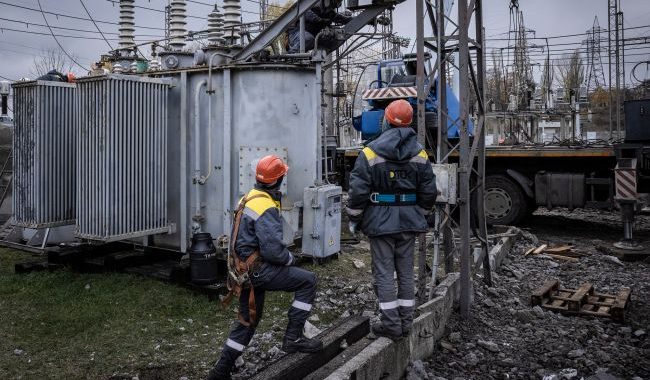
(71, 78)
(399, 113)
(270, 168)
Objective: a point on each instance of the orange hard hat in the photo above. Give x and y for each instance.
(71, 78)
(399, 113)
(269, 169)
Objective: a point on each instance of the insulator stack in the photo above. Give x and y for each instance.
(232, 20)
(215, 27)
(154, 65)
(127, 24)
(177, 22)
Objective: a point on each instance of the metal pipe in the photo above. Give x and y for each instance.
(197, 155)
(302, 34)
(183, 163)
(210, 89)
(227, 133)
(210, 92)
(319, 134)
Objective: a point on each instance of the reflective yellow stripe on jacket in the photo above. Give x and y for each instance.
(256, 207)
(372, 157)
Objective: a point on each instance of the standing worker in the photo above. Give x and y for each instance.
(316, 19)
(259, 261)
(392, 190)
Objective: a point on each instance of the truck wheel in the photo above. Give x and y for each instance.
(505, 202)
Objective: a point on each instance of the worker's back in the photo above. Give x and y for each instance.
(399, 181)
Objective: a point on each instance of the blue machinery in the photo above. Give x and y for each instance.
(396, 80)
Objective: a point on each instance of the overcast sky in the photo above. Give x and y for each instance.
(545, 17)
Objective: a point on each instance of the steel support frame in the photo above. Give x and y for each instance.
(472, 158)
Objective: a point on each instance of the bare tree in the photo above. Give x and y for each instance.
(276, 10)
(571, 73)
(51, 59)
(497, 83)
(547, 82)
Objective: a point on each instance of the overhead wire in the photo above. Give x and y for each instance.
(27, 23)
(58, 35)
(74, 17)
(94, 23)
(569, 35)
(55, 39)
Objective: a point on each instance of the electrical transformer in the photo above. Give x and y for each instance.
(321, 230)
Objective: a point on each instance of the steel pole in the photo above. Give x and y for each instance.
(422, 252)
(480, 89)
(465, 165)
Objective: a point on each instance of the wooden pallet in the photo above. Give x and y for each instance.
(583, 301)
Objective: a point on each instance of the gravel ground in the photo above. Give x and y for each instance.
(506, 338)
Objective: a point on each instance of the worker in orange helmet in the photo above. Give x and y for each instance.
(55, 76)
(392, 190)
(259, 261)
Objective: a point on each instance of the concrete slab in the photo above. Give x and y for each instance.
(503, 246)
(298, 366)
(382, 359)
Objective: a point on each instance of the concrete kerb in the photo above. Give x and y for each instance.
(503, 246)
(386, 359)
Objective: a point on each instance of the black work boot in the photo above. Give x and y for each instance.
(219, 373)
(302, 344)
(221, 370)
(381, 330)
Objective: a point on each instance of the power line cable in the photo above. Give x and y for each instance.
(55, 39)
(156, 10)
(5, 78)
(74, 17)
(59, 35)
(94, 23)
(569, 35)
(27, 24)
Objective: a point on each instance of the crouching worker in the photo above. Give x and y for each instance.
(259, 261)
(392, 189)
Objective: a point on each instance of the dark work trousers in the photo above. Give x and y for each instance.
(324, 42)
(271, 277)
(294, 41)
(394, 253)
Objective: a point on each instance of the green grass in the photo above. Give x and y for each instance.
(100, 326)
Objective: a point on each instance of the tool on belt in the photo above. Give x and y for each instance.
(239, 270)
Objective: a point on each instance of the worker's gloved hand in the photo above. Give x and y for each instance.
(353, 226)
(372, 22)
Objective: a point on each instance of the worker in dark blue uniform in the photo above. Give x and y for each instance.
(392, 190)
(316, 19)
(268, 265)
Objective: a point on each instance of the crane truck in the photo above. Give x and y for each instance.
(521, 178)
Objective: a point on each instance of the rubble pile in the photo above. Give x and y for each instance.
(506, 338)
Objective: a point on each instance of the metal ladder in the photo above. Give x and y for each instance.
(7, 168)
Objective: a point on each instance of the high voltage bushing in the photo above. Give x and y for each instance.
(232, 23)
(215, 27)
(177, 25)
(127, 24)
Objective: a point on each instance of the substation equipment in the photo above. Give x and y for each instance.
(155, 152)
